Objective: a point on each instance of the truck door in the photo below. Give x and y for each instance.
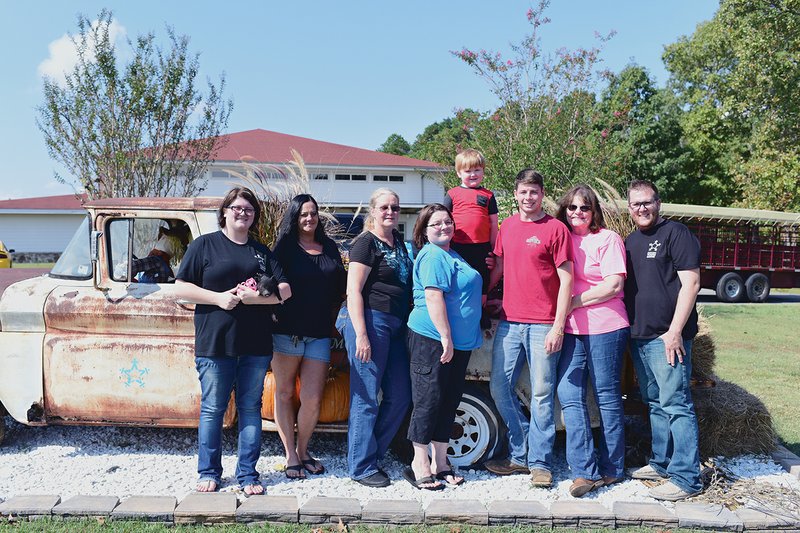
(123, 352)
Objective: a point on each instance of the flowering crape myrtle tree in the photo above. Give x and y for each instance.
(546, 117)
(135, 129)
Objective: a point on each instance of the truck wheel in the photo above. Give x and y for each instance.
(478, 431)
(730, 288)
(757, 287)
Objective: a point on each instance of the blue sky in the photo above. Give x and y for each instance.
(350, 72)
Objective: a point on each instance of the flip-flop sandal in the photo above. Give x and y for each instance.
(313, 466)
(444, 474)
(408, 474)
(298, 472)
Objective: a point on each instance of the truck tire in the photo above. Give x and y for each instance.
(730, 288)
(478, 431)
(757, 286)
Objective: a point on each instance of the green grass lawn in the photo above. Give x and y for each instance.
(757, 348)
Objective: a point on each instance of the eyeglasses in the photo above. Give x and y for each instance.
(248, 211)
(393, 208)
(442, 224)
(637, 205)
(583, 208)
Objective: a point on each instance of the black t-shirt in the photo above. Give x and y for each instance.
(388, 286)
(651, 288)
(318, 283)
(216, 263)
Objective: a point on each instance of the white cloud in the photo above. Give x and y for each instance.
(64, 56)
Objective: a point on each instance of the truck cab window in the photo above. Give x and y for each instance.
(157, 248)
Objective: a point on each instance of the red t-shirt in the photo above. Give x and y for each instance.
(531, 252)
(471, 209)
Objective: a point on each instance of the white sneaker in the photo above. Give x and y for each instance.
(669, 491)
(646, 472)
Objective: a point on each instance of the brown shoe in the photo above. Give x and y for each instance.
(583, 486)
(504, 467)
(610, 480)
(541, 477)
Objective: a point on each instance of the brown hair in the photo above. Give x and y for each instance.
(420, 235)
(588, 194)
(469, 158)
(643, 184)
(528, 176)
(233, 194)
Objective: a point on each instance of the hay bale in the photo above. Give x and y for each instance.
(703, 350)
(732, 421)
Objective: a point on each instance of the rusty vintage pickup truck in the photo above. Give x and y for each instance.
(88, 344)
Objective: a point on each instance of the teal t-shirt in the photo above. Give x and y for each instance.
(461, 285)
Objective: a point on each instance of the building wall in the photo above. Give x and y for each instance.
(39, 232)
(413, 190)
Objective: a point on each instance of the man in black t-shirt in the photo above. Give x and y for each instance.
(660, 291)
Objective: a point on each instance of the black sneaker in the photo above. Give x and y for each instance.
(377, 480)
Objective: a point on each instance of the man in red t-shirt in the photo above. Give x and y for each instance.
(534, 259)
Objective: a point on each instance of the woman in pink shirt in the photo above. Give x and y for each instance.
(595, 336)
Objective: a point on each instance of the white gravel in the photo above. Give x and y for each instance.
(133, 461)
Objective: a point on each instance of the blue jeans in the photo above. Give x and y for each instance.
(371, 427)
(530, 442)
(665, 390)
(597, 358)
(218, 377)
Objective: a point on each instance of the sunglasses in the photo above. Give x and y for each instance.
(393, 208)
(583, 208)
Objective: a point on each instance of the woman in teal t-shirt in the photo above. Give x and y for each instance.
(444, 327)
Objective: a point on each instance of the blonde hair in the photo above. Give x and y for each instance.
(369, 222)
(469, 158)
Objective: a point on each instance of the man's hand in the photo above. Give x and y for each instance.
(673, 346)
(447, 350)
(553, 341)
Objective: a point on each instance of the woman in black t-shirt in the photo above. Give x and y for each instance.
(301, 337)
(374, 331)
(233, 341)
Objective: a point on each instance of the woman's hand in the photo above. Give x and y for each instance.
(246, 294)
(447, 350)
(363, 349)
(229, 299)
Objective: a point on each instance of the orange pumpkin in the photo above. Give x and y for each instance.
(335, 403)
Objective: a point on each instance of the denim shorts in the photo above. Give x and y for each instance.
(309, 347)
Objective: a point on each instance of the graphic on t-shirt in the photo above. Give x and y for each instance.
(397, 260)
(652, 249)
(533, 240)
(262, 262)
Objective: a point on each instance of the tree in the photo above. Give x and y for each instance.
(395, 144)
(139, 129)
(737, 76)
(546, 113)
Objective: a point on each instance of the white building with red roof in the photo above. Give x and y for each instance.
(342, 178)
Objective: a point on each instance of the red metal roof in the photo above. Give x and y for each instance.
(272, 147)
(66, 201)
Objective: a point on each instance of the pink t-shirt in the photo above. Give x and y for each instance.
(531, 252)
(597, 256)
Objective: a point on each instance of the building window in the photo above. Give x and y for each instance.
(220, 174)
(320, 176)
(342, 177)
(384, 177)
(359, 177)
(401, 229)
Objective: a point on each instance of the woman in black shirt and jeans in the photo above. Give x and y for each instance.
(311, 261)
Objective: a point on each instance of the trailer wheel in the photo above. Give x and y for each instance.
(730, 288)
(757, 287)
(478, 431)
